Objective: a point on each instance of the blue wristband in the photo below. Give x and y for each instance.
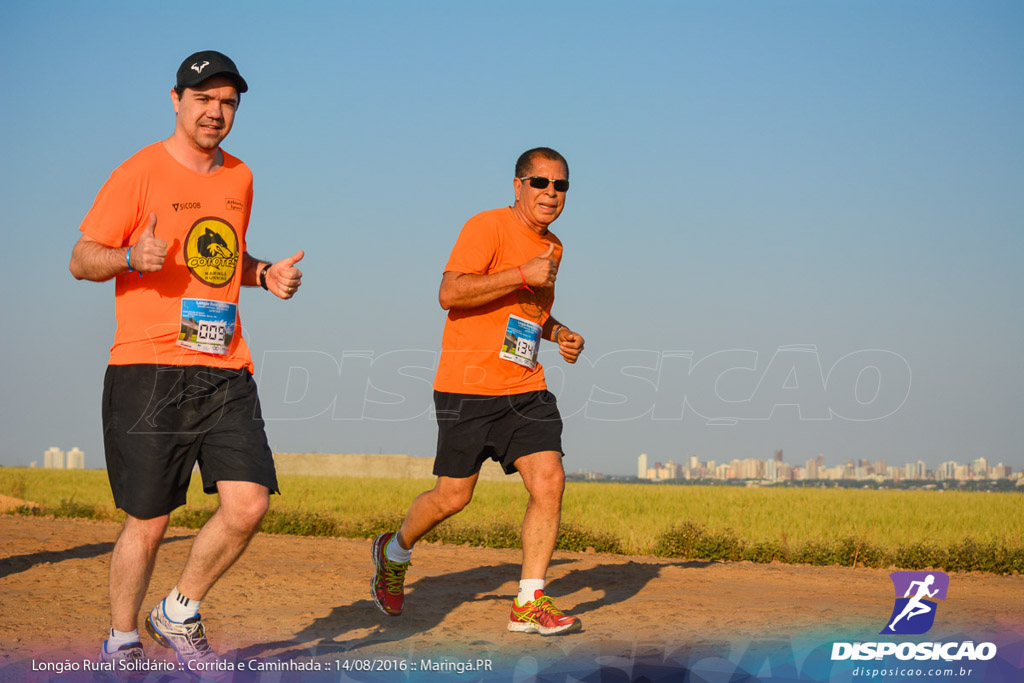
(128, 259)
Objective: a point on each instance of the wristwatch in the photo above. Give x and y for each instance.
(263, 275)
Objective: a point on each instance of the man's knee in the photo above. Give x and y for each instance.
(548, 485)
(145, 532)
(551, 489)
(245, 513)
(452, 500)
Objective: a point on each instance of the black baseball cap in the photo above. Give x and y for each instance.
(199, 66)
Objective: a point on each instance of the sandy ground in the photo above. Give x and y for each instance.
(307, 599)
(8, 503)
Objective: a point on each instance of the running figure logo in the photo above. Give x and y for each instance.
(914, 612)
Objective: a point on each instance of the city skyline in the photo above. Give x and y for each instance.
(770, 469)
(814, 469)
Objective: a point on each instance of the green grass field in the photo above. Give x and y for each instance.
(911, 529)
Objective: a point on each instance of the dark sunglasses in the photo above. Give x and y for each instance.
(539, 183)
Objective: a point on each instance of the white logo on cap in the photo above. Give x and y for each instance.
(199, 68)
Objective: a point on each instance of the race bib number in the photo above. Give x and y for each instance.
(522, 341)
(207, 326)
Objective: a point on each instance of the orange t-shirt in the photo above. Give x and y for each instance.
(203, 219)
(476, 339)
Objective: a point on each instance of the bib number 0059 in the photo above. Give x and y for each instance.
(207, 325)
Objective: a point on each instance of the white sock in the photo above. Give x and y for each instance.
(179, 608)
(118, 638)
(528, 590)
(395, 552)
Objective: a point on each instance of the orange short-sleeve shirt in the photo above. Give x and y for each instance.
(471, 361)
(203, 218)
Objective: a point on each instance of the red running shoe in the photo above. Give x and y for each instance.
(541, 616)
(388, 585)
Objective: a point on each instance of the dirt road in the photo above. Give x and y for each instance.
(306, 600)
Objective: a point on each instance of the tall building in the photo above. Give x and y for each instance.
(750, 468)
(980, 467)
(641, 466)
(53, 458)
(778, 455)
(812, 469)
(76, 459)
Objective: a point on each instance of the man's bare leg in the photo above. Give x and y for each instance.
(545, 480)
(131, 566)
(430, 508)
(533, 612)
(449, 496)
(224, 536)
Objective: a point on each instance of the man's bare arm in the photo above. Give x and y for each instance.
(91, 260)
(283, 278)
(469, 290)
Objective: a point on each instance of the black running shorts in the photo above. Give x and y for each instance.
(159, 421)
(473, 428)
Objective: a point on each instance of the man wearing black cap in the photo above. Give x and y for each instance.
(169, 226)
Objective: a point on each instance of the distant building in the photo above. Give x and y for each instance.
(76, 459)
(812, 469)
(999, 471)
(980, 468)
(641, 467)
(53, 458)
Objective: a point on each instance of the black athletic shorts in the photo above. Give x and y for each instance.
(473, 428)
(159, 420)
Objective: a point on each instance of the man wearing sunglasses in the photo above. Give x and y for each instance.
(169, 227)
(489, 392)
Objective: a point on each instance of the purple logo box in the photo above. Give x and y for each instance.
(940, 580)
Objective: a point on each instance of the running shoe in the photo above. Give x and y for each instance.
(541, 616)
(125, 662)
(188, 640)
(388, 585)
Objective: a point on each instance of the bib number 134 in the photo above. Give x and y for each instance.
(522, 341)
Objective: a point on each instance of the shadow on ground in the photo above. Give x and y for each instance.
(16, 564)
(430, 599)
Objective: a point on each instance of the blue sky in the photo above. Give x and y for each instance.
(792, 225)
